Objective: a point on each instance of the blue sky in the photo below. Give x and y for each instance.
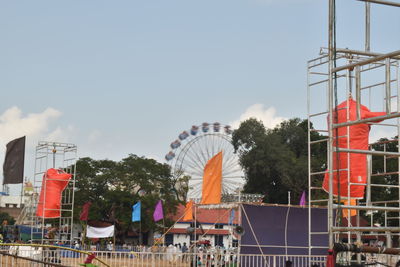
(120, 77)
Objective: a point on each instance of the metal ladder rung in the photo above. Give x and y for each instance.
(316, 187)
(318, 114)
(319, 141)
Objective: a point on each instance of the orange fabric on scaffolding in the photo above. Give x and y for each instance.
(212, 181)
(352, 202)
(53, 184)
(357, 139)
(188, 211)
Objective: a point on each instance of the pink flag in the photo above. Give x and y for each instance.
(303, 199)
(158, 212)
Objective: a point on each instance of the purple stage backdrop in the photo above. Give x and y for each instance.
(278, 227)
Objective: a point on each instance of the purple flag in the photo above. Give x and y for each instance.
(158, 212)
(303, 199)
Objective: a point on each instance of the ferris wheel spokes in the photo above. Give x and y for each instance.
(194, 148)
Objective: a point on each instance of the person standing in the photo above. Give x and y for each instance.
(184, 252)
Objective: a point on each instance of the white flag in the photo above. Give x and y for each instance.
(100, 232)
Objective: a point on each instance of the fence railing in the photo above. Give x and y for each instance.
(60, 257)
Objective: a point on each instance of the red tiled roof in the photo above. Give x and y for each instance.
(207, 215)
(199, 232)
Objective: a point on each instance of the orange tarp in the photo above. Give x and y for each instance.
(188, 211)
(356, 138)
(352, 202)
(212, 181)
(53, 184)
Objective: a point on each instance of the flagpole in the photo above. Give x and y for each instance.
(22, 193)
(84, 233)
(195, 233)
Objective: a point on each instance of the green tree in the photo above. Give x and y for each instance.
(385, 171)
(113, 187)
(275, 161)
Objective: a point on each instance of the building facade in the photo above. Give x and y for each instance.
(210, 226)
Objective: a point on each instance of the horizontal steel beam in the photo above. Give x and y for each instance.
(360, 53)
(382, 2)
(369, 152)
(395, 209)
(365, 229)
(374, 119)
(367, 61)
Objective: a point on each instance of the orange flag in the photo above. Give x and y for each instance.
(188, 211)
(352, 202)
(212, 181)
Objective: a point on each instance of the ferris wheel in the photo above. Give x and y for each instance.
(195, 147)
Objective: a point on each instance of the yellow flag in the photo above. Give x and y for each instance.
(212, 181)
(352, 202)
(188, 211)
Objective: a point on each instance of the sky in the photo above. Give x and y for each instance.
(120, 77)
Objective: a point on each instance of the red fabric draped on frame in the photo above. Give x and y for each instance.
(358, 140)
(54, 183)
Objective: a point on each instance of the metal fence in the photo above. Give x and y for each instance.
(29, 256)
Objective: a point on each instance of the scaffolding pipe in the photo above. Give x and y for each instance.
(364, 229)
(387, 85)
(330, 121)
(377, 208)
(369, 168)
(367, 26)
(382, 2)
(360, 53)
(358, 92)
(367, 61)
(370, 152)
(374, 119)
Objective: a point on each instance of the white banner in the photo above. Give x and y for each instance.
(100, 232)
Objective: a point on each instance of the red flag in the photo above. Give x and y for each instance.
(85, 211)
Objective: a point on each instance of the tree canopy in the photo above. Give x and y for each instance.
(275, 161)
(113, 187)
(6, 218)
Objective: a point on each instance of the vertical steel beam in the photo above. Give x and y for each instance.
(358, 91)
(367, 26)
(387, 85)
(330, 121)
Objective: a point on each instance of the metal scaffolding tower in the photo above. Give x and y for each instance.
(372, 79)
(59, 156)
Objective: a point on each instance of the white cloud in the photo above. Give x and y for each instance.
(63, 135)
(14, 124)
(35, 126)
(94, 136)
(260, 112)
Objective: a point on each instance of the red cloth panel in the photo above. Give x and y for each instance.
(358, 135)
(54, 183)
